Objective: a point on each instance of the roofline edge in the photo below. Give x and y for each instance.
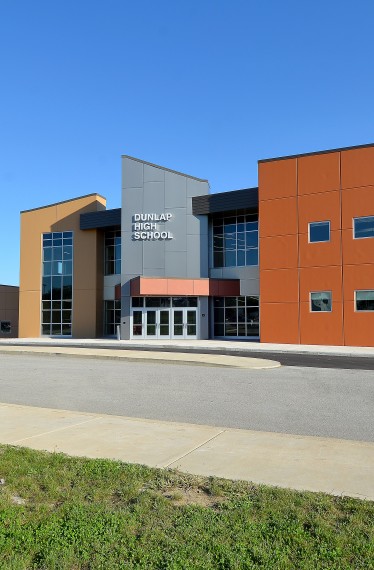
(63, 202)
(164, 168)
(341, 149)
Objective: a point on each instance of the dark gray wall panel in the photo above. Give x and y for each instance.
(102, 219)
(226, 201)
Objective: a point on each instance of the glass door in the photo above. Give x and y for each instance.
(137, 323)
(191, 324)
(178, 324)
(157, 323)
(184, 323)
(151, 324)
(164, 318)
(163, 323)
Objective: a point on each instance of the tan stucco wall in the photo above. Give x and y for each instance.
(9, 297)
(87, 265)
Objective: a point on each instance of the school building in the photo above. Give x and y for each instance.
(290, 261)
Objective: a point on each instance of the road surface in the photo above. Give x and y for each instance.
(306, 401)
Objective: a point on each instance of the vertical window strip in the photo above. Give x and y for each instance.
(57, 284)
(112, 247)
(112, 317)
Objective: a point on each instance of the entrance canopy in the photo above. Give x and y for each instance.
(197, 287)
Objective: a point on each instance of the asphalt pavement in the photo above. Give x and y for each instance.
(315, 402)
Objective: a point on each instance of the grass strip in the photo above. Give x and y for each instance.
(60, 512)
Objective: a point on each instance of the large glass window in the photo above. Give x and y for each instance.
(57, 283)
(236, 316)
(363, 227)
(321, 301)
(112, 317)
(235, 241)
(113, 252)
(364, 300)
(319, 232)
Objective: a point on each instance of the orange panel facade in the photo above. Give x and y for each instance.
(319, 207)
(321, 327)
(279, 322)
(358, 329)
(142, 286)
(318, 173)
(277, 179)
(278, 252)
(287, 285)
(278, 217)
(357, 167)
(320, 254)
(337, 187)
(355, 203)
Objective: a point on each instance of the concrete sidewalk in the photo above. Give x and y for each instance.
(213, 346)
(334, 466)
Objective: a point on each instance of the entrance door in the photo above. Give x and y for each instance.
(184, 323)
(157, 323)
(178, 323)
(163, 323)
(151, 324)
(164, 318)
(191, 323)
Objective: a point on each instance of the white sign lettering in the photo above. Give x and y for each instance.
(145, 226)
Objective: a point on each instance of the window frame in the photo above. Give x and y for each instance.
(355, 301)
(116, 261)
(246, 250)
(115, 312)
(354, 227)
(310, 301)
(50, 237)
(244, 304)
(316, 223)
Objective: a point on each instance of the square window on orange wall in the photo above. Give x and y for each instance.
(363, 227)
(320, 301)
(319, 231)
(364, 301)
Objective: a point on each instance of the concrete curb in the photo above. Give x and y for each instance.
(191, 359)
(212, 346)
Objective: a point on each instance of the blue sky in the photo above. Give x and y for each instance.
(206, 87)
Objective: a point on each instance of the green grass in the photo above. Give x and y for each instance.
(58, 512)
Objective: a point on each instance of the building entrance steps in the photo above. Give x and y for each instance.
(334, 466)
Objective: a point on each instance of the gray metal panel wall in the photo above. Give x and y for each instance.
(147, 188)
